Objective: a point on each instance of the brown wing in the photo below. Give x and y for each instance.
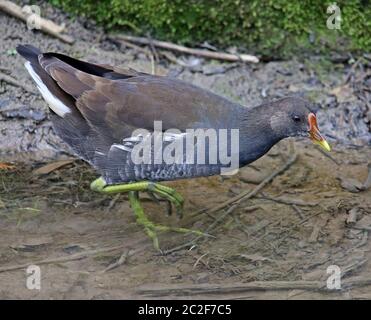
(117, 101)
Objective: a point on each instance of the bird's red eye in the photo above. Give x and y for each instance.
(296, 118)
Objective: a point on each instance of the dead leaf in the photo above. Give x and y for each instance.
(50, 167)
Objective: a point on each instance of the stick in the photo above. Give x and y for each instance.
(14, 82)
(326, 154)
(77, 256)
(196, 52)
(45, 25)
(176, 289)
(172, 58)
(123, 258)
(288, 201)
(367, 183)
(129, 45)
(249, 194)
(281, 240)
(192, 289)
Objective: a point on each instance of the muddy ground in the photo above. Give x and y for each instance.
(277, 244)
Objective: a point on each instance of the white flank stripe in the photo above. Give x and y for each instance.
(133, 139)
(169, 136)
(121, 147)
(55, 104)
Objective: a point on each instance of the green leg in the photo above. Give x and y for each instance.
(151, 228)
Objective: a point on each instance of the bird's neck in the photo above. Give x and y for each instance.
(256, 134)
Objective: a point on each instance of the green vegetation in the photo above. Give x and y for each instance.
(271, 27)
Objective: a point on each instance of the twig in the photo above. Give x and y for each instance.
(364, 228)
(352, 70)
(199, 259)
(367, 183)
(281, 240)
(153, 64)
(173, 59)
(16, 83)
(77, 256)
(192, 289)
(315, 233)
(112, 202)
(148, 53)
(284, 200)
(363, 240)
(129, 45)
(249, 194)
(349, 269)
(326, 154)
(123, 258)
(298, 211)
(196, 52)
(45, 25)
(153, 49)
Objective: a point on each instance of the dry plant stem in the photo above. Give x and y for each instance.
(327, 155)
(130, 45)
(196, 52)
(249, 194)
(288, 233)
(186, 290)
(298, 211)
(283, 200)
(367, 183)
(122, 260)
(173, 59)
(46, 26)
(77, 256)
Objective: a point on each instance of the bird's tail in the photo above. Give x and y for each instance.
(57, 100)
(67, 120)
(30, 53)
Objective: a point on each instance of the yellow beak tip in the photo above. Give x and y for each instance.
(323, 144)
(326, 146)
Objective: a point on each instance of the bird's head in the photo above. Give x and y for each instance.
(293, 116)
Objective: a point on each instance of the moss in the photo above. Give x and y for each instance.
(268, 27)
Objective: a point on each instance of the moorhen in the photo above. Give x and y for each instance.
(104, 113)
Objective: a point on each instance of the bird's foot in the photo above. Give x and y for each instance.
(165, 192)
(152, 228)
